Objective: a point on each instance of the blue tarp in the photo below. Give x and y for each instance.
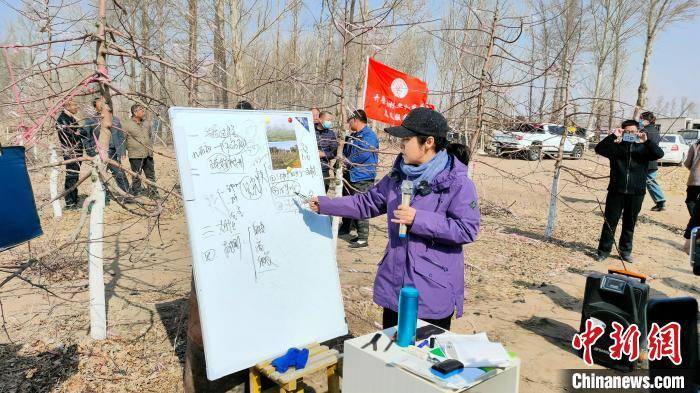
(19, 220)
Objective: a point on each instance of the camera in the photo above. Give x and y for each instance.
(627, 137)
(695, 251)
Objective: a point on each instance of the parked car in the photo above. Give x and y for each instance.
(533, 140)
(691, 136)
(675, 149)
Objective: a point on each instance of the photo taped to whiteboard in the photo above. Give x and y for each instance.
(282, 143)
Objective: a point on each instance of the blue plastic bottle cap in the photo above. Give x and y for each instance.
(409, 292)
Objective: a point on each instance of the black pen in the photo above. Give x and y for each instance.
(302, 196)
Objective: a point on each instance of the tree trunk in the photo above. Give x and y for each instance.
(361, 58)
(480, 103)
(343, 115)
(192, 52)
(642, 89)
(162, 74)
(236, 47)
(569, 57)
(545, 52)
(294, 61)
(98, 312)
(145, 32)
(596, 91)
(531, 87)
(220, 53)
(615, 79)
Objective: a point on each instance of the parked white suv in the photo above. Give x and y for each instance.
(534, 139)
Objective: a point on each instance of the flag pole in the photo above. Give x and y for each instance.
(364, 87)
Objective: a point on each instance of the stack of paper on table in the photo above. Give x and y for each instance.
(474, 350)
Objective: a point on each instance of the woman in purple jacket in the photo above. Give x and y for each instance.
(442, 216)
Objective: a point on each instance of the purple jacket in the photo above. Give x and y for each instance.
(430, 257)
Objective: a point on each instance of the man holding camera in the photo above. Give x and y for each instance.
(629, 152)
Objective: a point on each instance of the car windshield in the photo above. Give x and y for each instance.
(668, 138)
(556, 130)
(690, 134)
(526, 128)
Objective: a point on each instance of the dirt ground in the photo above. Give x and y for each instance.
(522, 290)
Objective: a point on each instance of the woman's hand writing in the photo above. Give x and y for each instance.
(313, 203)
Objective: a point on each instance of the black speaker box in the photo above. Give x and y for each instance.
(683, 310)
(614, 297)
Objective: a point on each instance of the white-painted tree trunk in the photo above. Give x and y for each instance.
(98, 314)
(53, 185)
(552, 215)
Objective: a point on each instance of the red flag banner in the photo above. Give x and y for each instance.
(390, 94)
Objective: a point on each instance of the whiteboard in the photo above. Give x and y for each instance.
(264, 265)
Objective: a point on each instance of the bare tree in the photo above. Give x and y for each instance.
(601, 47)
(659, 14)
(571, 33)
(623, 27)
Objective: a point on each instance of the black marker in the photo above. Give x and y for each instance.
(302, 196)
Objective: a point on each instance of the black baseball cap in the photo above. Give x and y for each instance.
(359, 114)
(421, 121)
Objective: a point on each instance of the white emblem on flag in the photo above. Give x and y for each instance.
(399, 88)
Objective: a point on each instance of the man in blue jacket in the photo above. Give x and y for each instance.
(360, 152)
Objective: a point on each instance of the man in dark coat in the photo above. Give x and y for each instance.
(629, 152)
(71, 138)
(327, 142)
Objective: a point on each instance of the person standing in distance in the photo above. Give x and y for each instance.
(139, 144)
(648, 125)
(360, 152)
(71, 138)
(629, 161)
(327, 143)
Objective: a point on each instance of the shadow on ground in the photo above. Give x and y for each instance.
(556, 294)
(556, 333)
(673, 229)
(36, 373)
(173, 315)
(571, 245)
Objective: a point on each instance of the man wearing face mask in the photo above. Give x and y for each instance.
(629, 152)
(327, 143)
(648, 125)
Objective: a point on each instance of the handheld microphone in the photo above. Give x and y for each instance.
(406, 193)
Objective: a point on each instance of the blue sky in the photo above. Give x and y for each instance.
(674, 69)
